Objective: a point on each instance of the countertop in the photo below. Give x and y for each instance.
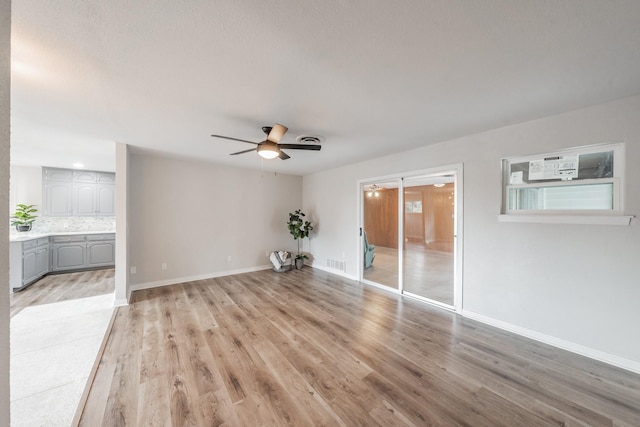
(23, 237)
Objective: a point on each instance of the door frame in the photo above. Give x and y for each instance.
(458, 171)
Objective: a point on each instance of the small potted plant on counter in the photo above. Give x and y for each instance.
(23, 217)
(299, 229)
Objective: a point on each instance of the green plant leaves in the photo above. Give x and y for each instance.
(23, 214)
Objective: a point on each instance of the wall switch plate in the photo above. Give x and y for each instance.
(133, 270)
(229, 258)
(164, 265)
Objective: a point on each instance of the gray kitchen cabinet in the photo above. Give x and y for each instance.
(105, 199)
(105, 178)
(93, 199)
(57, 174)
(58, 197)
(29, 261)
(84, 199)
(42, 257)
(101, 254)
(77, 252)
(68, 256)
(29, 266)
(84, 176)
(78, 193)
(68, 252)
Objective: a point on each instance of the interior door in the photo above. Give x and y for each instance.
(428, 239)
(380, 233)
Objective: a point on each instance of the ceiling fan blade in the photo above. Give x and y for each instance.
(242, 152)
(300, 147)
(283, 155)
(234, 139)
(277, 132)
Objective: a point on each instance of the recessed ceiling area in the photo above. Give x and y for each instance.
(372, 79)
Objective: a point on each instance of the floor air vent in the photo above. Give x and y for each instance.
(336, 265)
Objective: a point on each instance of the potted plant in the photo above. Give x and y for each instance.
(299, 229)
(23, 217)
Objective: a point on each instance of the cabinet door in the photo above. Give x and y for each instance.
(105, 198)
(84, 176)
(106, 178)
(42, 261)
(68, 256)
(55, 174)
(84, 200)
(29, 266)
(101, 253)
(57, 198)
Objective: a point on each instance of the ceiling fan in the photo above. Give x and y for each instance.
(271, 148)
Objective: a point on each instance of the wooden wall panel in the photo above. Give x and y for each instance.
(436, 217)
(381, 218)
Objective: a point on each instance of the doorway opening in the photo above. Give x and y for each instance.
(411, 233)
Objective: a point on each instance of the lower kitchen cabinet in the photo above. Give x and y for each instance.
(29, 261)
(68, 256)
(78, 252)
(32, 259)
(101, 253)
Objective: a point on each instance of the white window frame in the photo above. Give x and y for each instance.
(614, 216)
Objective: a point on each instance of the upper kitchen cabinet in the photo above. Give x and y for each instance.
(78, 193)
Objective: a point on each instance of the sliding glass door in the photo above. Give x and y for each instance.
(428, 262)
(380, 233)
(410, 235)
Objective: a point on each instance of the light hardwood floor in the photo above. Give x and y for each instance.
(427, 273)
(63, 287)
(309, 348)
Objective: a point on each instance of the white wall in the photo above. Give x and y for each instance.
(193, 216)
(25, 186)
(577, 283)
(5, 80)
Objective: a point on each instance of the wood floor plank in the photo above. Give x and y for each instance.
(308, 348)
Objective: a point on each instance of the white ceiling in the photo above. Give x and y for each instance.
(372, 77)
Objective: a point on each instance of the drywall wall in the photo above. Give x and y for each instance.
(576, 283)
(122, 220)
(25, 186)
(5, 85)
(202, 219)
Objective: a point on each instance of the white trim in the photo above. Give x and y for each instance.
(334, 271)
(121, 302)
(568, 219)
(621, 362)
(160, 283)
(429, 301)
(381, 286)
(458, 170)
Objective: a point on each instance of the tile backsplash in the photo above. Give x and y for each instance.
(69, 224)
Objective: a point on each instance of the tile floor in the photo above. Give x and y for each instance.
(53, 348)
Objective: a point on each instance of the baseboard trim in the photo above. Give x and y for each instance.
(620, 362)
(174, 281)
(121, 302)
(333, 271)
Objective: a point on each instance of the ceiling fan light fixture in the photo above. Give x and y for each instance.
(268, 151)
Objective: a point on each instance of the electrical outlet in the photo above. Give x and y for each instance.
(266, 253)
(229, 258)
(164, 265)
(133, 270)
